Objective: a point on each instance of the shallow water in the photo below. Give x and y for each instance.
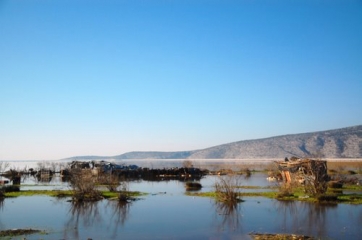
(166, 213)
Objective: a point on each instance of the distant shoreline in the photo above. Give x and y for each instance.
(186, 159)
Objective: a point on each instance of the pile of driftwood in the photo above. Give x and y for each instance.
(310, 173)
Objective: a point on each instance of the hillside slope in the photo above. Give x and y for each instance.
(339, 143)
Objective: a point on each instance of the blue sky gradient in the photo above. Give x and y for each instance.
(107, 77)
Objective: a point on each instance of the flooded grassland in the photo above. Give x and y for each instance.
(165, 209)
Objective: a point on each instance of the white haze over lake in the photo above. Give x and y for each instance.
(154, 163)
(145, 163)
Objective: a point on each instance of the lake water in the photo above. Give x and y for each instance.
(167, 213)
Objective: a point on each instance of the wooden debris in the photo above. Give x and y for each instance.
(310, 173)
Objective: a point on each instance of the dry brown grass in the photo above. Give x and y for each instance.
(344, 166)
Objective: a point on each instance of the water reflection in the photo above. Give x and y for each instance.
(120, 213)
(305, 218)
(85, 213)
(1, 203)
(316, 215)
(92, 218)
(288, 212)
(228, 216)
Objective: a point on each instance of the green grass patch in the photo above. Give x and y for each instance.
(257, 187)
(350, 198)
(108, 194)
(244, 194)
(297, 196)
(51, 193)
(352, 187)
(65, 193)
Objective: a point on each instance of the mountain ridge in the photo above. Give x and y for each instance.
(335, 143)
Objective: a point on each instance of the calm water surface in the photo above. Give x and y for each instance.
(166, 213)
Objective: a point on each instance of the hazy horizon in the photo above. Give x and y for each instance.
(110, 77)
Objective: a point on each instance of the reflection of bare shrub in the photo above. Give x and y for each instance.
(230, 215)
(121, 211)
(84, 186)
(81, 213)
(226, 189)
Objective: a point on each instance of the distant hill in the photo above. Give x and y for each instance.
(338, 143)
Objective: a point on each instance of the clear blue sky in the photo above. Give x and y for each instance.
(108, 77)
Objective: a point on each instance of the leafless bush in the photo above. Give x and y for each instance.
(83, 185)
(115, 183)
(124, 194)
(247, 173)
(50, 165)
(226, 189)
(4, 166)
(111, 181)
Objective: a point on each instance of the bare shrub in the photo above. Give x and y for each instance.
(124, 194)
(226, 189)
(287, 189)
(111, 181)
(4, 166)
(83, 185)
(247, 173)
